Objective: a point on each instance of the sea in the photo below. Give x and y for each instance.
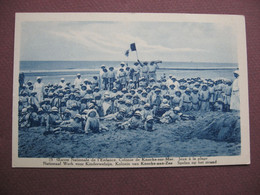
(53, 71)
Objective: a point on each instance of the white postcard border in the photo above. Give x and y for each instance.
(239, 24)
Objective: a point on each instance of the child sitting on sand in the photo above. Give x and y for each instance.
(74, 110)
(148, 125)
(68, 124)
(129, 108)
(168, 115)
(92, 123)
(24, 118)
(118, 116)
(33, 100)
(219, 105)
(134, 122)
(53, 119)
(146, 111)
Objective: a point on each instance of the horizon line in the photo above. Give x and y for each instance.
(121, 61)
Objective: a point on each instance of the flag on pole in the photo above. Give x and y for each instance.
(132, 46)
(127, 53)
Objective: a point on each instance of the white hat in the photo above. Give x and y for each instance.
(78, 116)
(62, 79)
(122, 110)
(67, 111)
(24, 110)
(219, 100)
(165, 101)
(143, 100)
(103, 66)
(128, 102)
(137, 113)
(149, 117)
(78, 74)
(166, 106)
(91, 105)
(147, 105)
(128, 94)
(177, 108)
(85, 111)
(236, 72)
(74, 105)
(38, 78)
(40, 109)
(54, 109)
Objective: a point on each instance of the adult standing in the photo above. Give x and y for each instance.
(235, 98)
(78, 81)
(144, 69)
(152, 70)
(39, 89)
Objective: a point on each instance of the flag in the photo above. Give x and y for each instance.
(127, 53)
(132, 46)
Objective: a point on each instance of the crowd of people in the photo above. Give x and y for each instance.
(131, 97)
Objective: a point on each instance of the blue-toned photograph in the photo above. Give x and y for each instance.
(113, 89)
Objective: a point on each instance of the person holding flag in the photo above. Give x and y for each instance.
(148, 71)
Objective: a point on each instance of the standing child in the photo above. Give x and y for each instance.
(104, 79)
(227, 97)
(111, 78)
(186, 100)
(122, 78)
(177, 99)
(204, 98)
(212, 98)
(195, 99)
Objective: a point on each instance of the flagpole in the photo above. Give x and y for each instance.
(136, 54)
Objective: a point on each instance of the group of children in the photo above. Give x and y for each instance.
(84, 105)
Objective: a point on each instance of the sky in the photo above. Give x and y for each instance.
(108, 41)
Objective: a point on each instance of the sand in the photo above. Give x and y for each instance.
(208, 135)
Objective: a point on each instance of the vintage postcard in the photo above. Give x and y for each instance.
(129, 90)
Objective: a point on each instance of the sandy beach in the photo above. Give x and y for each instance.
(199, 137)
